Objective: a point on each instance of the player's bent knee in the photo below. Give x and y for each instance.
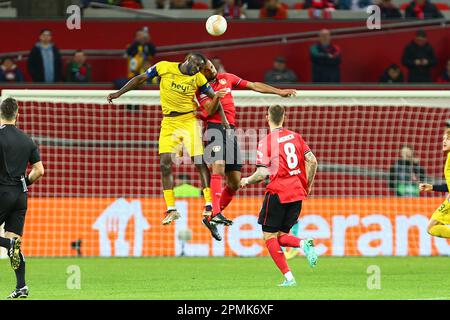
(218, 169)
(233, 185)
(269, 235)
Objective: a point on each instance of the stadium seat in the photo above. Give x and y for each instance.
(403, 6)
(200, 6)
(298, 6)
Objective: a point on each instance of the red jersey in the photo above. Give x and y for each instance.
(283, 152)
(227, 81)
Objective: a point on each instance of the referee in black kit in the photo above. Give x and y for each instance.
(16, 151)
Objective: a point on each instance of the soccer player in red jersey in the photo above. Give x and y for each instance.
(222, 149)
(286, 158)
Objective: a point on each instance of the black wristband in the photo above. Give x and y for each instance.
(27, 181)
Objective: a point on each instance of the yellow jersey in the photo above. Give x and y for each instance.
(447, 171)
(177, 90)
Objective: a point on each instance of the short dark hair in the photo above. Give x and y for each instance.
(45, 30)
(276, 113)
(198, 55)
(8, 109)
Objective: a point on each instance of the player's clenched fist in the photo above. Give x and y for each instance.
(113, 96)
(286, 93)
(244, 182)
(425, 187)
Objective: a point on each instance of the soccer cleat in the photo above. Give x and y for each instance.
(221, 219)
(208, 211)
(171, 215)
(310, 252)
(212, 227)
(286, 283)
(14, 253)
(19, 293)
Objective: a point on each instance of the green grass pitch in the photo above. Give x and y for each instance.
(232, 278)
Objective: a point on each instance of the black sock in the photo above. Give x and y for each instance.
(20, 272)
(5, 243)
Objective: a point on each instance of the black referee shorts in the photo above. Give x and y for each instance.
(223, 145)
(13, 208)
(276, 216)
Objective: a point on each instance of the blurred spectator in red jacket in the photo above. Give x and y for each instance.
(273, 9)
(422, 9)
(389, 10)
(445, 75)
(419, 58)
(326, 59)
(318, 9)
(232, 9)
(392, 74)
(9, 72)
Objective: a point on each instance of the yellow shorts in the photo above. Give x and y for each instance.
(178, 131)
(442, 214)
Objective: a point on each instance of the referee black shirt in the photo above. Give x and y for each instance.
(16, 150)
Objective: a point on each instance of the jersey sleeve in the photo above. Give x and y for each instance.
(155, 70)
(263, 154)
(202, 98)
(201, 80)
(304, 146)
(34, 155)
(238, 83)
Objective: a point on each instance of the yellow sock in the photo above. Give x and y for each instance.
(440, 231)
(169, 198)
(207, 196)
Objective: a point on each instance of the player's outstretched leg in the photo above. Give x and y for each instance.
(167, 181)
(310, 252)
(274, 248)
(307, 245)
(218, 169)
(230, 189)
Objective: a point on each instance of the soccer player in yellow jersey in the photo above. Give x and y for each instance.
(179, 82)
(438, 225)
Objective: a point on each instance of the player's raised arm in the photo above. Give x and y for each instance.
(311, 169)
(265, 88)
(134, 83)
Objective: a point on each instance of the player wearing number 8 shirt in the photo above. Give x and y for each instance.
(286, 158)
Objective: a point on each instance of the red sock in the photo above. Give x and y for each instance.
(288, 240)
(226, 197)
(216, 187)
(277, 254)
